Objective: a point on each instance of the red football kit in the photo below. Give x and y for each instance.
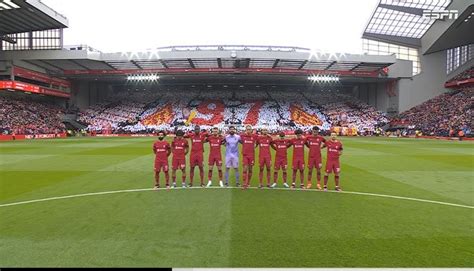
(298, 153)
(281, 146)
(215, 143)
(332, 163)
(178, 148)
(315, 143)
(197, 149)
(161, 148)
(265, 158)
(248, 149)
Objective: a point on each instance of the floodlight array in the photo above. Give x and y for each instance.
(143, 77)
(325, 78)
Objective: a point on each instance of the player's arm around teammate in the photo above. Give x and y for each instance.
(281, 160)
(197, 152)
(179, 148)
(215, 141)
(298, 144)
(248, 140)
(334, 151)
(264, 143)
(162, 151)
(315, 142)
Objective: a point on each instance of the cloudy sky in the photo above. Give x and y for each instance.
(134, 25)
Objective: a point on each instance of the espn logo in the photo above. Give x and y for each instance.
(8, 4)
(440, 14)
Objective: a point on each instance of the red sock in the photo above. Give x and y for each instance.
(183, 177)
(275, 176)
(260, 176)
(167, 176)
(268, 177)
(157, 178)
(191, 175)
(201, 174)
(284, 176)
(294, 175)
(249, 177)
(336, 180)
(319, 177)
(302, 177)
(174, 176)
(310, 175)
(325, 180)
(220, 174)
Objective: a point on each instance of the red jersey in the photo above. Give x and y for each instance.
(298, 147)
(264, 143)
(334, 147)
(197, 142)
(248, 144)
(160, 148)
(281, 146)
(315, 143)
(215, 143)
(178, 147)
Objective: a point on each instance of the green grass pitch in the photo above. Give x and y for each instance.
(231, 227)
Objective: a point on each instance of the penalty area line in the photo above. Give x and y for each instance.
(214, 187)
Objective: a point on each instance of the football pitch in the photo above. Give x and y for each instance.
(113, 218)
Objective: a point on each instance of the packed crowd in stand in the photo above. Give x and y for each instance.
(149, 111)
(137, 112)
(23, 115)
(445, 115)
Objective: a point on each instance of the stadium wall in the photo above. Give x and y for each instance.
(426, 85)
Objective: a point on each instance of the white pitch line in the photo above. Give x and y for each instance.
(214, 187)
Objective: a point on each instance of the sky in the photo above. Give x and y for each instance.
(135, 25)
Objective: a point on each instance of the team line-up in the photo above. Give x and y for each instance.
(179, 148)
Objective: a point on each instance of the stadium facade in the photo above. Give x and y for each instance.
(414, 52)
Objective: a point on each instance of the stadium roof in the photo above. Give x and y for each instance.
(82, 60)
(18, 16)
(401, 21)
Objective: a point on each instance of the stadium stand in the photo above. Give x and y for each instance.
(22, 115)
(165, 110)
(447, 112)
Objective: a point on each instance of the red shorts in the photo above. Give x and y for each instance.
(281, 163)
(179, 163)
(333, 166)
(248, 160)
(196, 160)
(161, 165)
(265, 161)
(315, 162)
(298, 164)
(215, 160)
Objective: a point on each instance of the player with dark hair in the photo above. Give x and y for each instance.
(264, 142)
(315, 143)
(298, 144)
(248, 140)
(215, 141)
(162, 150)
(281, 146)
(179, 148)
(197, 151)
(332, 163)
